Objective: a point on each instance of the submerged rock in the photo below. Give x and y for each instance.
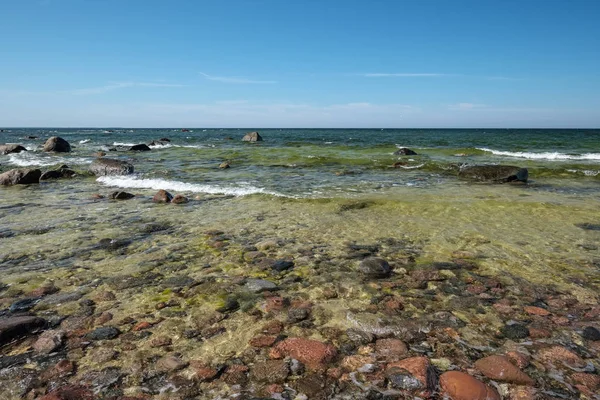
(62, 172)
(515, 331)
(57, 144)
(252, 137)
(501, 369)
(104, 333)
(11, 148)
(494, 173)
(591, 333)
(15, 327)
(312, 353)
(460, 386)
(179, 199)
(20, 177)
(375, 268)
(109, 166)
(260, 285)
(403, 151)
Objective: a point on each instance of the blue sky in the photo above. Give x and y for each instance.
(300, 63)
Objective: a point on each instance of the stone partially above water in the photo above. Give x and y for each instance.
(109, 166)
(252, 137)
(403, 151)
(162, 196)
(20, 177)
(494, 173)
(260, 285)
(11, 148)
(57, 144)
(139, 147)
(120, 195)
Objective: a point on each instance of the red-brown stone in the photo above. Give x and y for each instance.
(461, 386)
(312, 353)
(417, 366)
(501, 369)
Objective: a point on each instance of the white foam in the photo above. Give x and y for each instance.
(85, 141)
(124, 144)
(31, 159)
(133, 182)
(411, 167)
(586, 172)
(543, 156)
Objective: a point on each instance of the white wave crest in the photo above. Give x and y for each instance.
(85, 141)
(31, 159)
(124, 144)
(586, 172)
(543, 156)
(411, 167)
(133, 182)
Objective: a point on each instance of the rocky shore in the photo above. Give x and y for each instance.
(157, 298)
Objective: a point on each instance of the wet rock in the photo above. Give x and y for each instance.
(359, 337)
(298, 314)
(171, 363)
(312, 353)
(160, 341)
(230, 305)
(131, 281)
(203, 372)
(273, 327)
(57, 144)
(63, 172)
(402, 379)
(103, 354)
(588, 226)
(120, 195)
(270, 371)
(403, 151)
(558, 355)
(105, 296)
(260, 285)
(49, 341)
(181, 281)
(70, 392)
(375, 268)
(180, 199)
(282, 265)
(104, 333)
(494, 173)
(314, 386)
(224, 165)
(162, 196)
(532, 310)
(420, 368)
(61, 298)
(11, 148)
(109, 166)
(515, 331)
(104, 380)
(20, 177)
(355, 362)
(589, 381)
(113, 244)
(391, 349)
(139, 147)
(263, 341)
(15, 327)
(23, 304)
(591, 333)
(252, 137)
(460, 386)
(501, 369)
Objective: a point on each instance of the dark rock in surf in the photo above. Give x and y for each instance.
(375, 268)
(403, 151)
(162, 196)
(140, 147)
(62, 172)
(57, 144)
(252, 137)
(15, 327)
(119, 195)
(179, 199)
(109, 166)
(11, 148)
(494, 173)
(20, 177)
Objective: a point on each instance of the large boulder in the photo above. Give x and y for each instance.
(494, 173)
(109, 166)
(20, 177)
(252, 137)
(57, 144)
(11, 148)
(405, 152)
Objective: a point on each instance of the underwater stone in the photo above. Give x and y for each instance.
(14, 327)
(20, 177)
(375, 268)
(260, 285)
(282, 265)
(591, 333)
(515, 331)
(405, 152)
(23, 304)
(104, 333)
(494, 173)
(109, 166)
(120, 195)
(402, 379)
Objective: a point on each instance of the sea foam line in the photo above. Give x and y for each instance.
(30, 159)
(132, 182)
(543, 156)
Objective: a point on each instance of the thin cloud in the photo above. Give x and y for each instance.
(233, 79)
(403, 75)
(465, 106)
(119, 85)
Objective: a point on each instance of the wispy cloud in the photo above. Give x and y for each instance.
(403, 75)
(119, 85)
(234, 79)
(466, 106)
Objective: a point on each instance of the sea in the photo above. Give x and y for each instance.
(322, 199)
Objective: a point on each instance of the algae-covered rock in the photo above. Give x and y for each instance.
(494, 173)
